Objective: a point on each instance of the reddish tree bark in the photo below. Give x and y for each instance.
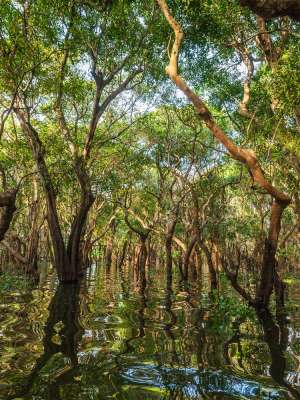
(247, 157)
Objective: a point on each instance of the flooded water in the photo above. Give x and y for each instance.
(109, 338)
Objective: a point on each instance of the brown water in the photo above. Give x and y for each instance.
(108, 338)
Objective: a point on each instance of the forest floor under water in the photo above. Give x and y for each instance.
(111, 338)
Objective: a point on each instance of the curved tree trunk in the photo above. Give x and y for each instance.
(65, 259)
(27, 250)
(243, 155)
(143, 252)
(61, 260)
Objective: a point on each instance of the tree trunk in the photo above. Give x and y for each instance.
(109, 244)
(61, 260)
(122, 255)
(170, 230)
(142, 261)
(274, 8)
(26, 251)
(34, 233)
(65, 259)
(243, 155)
(269, 258)
(211, 269)
(87, 199)
(8, 207)
(187, 255)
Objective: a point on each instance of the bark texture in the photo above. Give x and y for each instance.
(274, 8)
(8, 207)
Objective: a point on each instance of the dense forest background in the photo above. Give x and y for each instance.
(149, 199)
(106, 153)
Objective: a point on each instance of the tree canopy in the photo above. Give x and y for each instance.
(176, 121)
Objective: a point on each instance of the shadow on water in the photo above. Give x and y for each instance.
(153, 340)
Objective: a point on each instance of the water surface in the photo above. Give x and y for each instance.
(111, 338)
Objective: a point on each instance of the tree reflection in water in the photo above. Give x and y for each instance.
(138, 346)
(276, 336)
(63, 321)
